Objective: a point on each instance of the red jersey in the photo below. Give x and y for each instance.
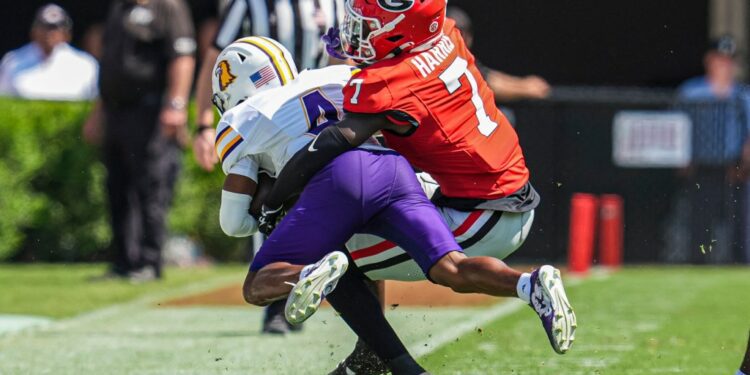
(459, 135)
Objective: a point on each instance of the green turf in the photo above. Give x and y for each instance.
(644, 320)
(638, 321)
(65, 290)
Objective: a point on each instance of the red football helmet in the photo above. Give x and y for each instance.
(374, 30)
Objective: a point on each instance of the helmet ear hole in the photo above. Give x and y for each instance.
(395, 38)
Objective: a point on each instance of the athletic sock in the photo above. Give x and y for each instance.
(523, 288)
(361, 310)
(739, 372)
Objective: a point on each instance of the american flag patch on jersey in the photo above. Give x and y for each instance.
(263, 76)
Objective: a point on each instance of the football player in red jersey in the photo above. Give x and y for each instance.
(420, 86)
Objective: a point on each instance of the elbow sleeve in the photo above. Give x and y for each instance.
(234, 215)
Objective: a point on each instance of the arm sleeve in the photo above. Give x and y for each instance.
(180, 37)
(234, 215)
(305, 163)
(231, 23)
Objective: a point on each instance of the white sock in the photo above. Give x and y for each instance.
(523, 288)
(739, 372)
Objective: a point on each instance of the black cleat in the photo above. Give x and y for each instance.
(362, 361)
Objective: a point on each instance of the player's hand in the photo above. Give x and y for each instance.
(332, 41)
(269, 218)
(203, 149)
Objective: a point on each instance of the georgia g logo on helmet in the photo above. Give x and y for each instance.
(396, 5)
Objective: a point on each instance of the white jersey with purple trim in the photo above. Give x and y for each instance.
(265, 131)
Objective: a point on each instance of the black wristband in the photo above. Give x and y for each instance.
(201, 128)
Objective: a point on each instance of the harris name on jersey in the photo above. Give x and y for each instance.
(427, 61)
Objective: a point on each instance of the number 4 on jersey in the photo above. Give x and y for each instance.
(451, 78)
(320, 111)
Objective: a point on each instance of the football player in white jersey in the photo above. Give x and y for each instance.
(368, 190)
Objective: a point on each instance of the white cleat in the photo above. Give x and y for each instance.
(549, 301)
(315, 283)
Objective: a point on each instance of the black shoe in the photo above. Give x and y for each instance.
(276, 325)
(274, 321)
(362, 361)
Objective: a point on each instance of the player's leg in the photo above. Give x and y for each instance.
(478, 233)
(320, 222)
(410, 221)
(745, 366)
(490, 233)
(362, 359)
(328, 212)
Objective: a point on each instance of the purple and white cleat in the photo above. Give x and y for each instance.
(316, 281)
(549, 301)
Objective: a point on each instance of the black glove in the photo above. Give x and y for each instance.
(269, 218)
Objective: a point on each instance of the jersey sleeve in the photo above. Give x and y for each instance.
(367, 93)
(371, 94)
(247, 166)
(235, 128)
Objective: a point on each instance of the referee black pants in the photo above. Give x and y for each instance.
(142, 168)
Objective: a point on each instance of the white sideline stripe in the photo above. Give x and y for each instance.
(498, 311)
(495, 312)
(133, 305)
(13, 322)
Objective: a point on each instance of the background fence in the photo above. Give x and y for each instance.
(567, 142)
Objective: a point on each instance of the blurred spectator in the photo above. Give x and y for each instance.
(146, 72)
(92, 40)
(48, 67)
(506, 87)
(297, 24)
(719, 107)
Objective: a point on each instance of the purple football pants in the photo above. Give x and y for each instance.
(360, 191)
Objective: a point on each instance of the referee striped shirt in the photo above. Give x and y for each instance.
(297, 24)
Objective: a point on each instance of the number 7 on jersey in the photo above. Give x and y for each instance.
(451, 78)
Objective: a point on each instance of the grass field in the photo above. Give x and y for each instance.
(643, 320)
